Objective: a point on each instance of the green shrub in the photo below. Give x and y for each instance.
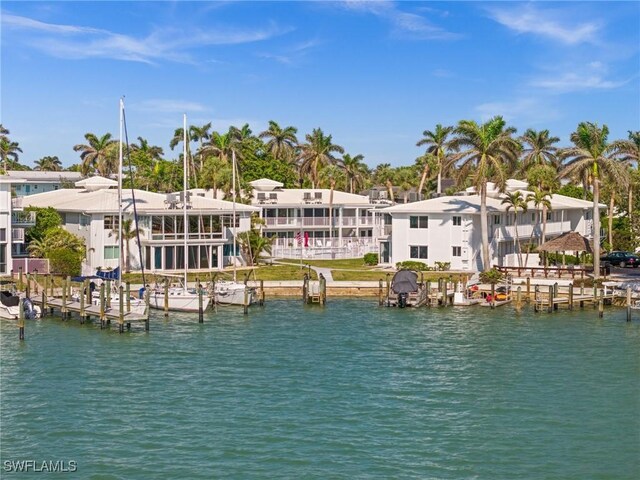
(371, 259)
(443, 266)
(65, 262)
(413, 265)
(491, 276)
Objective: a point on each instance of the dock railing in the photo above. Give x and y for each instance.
(546, 272)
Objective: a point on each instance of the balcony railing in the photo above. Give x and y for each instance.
(191, 236)
(17, 235)
(16, 203)
(317, 221)
(26, 219)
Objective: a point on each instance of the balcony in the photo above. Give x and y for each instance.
(23, 219)
(317, 221)
(17, 203)
(508, 232)
(17, 235)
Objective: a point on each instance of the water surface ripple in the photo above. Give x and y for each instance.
(348, 391)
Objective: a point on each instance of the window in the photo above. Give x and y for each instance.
(457, 221)
(3, 234)
(85, 220)
(418, 222)
(418, 251)
(111, 222)
(3, 258)
(457, 251)
(496, 219)
(111, 252)
(548, 216)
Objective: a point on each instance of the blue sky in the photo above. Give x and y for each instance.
(372, 74)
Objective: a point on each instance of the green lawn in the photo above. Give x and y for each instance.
(355, 263)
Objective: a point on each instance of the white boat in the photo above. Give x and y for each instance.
(460, 299)
(233, 293)
(180, 298)
(11, 303)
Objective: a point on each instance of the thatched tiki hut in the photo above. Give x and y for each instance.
(567, 242)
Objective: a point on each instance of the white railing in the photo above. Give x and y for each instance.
(506, 232)
(16, 203)
(23, 218)
(355, 250)
(317, 221)
(17, 235)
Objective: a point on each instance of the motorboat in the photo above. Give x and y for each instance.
(406, 291)
(233, 293)
(11, 303)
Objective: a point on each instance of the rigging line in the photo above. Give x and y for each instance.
(133, 198)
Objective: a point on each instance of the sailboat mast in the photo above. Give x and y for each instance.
(233, 181)
(184, 202)
(120, 155)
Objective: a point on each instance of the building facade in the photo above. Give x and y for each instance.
(447, 229)
(91, 211)
(31, 182)
(316, 223)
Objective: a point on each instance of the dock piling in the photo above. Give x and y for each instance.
(380, 296)
(628, 304)
(128, 296)
(571, 296)
(21, 322)
(519, 299)
(166, 297)
(261, 301)
(121, 309)
(200, 310)
(82, 298)
(550, 299)
(102, 307)
(601, 305)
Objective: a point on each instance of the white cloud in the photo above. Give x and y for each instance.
(168, 106)
(524, 110)
(552, 24)
(79, 42)
(592, 76)
(405, 24)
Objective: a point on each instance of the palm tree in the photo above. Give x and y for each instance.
(516, 201)
(592, 155)
(487, 152)
(3, 133)
(331, 173)
(200, 134)
(437, 143)
(539, 198)
(178, 138)
(144, 157)
(538, 149)
(630, 150)
(316, 153)
(8, 151)
(384, 175)
(281, 142)
(355, 170)
(405, 179)
(129, 232)
(97, 154)
(49, 164)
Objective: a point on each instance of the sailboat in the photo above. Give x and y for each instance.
(136, 305)
(228, 292)
(181, 298)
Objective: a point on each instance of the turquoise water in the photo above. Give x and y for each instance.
(348, 391)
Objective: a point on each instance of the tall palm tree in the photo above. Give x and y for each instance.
(281, 142)
(178, 138)
(540, 199)
(49, 164)
(332, 174)
(316, 153)
(3, 132)
(630, 154)
(538, 149)
(405, 178)
(354, 169)
(487, 152)
(129, 232)
(97, 154)
(145, 157)
(437, 143)
(384, 175)
(200, 134)
(516, 201)
(594, 156)
(8, 151)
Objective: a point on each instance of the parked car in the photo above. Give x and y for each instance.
(621, 259)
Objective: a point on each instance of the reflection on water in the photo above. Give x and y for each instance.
(349, 390)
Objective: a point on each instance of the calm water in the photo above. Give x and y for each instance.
(349, 391)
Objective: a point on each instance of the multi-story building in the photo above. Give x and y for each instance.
(316, 223)
(30, 182)
(91, 211)
(13, 222)
(447, 228)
